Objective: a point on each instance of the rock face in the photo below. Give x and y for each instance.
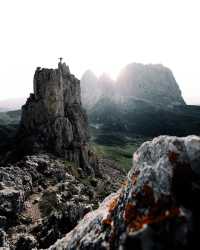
(157, 208)
(151, 83)
(53, 119)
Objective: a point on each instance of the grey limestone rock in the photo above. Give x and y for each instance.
(157, 208)
(27, 242)
(11, 201)
(3, 240)
(54, 121)
(42, 197)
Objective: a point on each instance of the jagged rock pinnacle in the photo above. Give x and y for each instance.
(53, 119)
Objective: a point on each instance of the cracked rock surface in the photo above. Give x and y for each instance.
(53, 120)
(157, 208)
(43, 197)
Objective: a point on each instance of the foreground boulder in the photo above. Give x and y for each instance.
(157, 208)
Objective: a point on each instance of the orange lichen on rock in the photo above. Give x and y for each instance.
(137, 223)
(146, 196)
(130, 213)
(134, 179)
(167, 214)
(142, 220)
(111, 207)
(107, 221)
(172, 156)
(113, 204)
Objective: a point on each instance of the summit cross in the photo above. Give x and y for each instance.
(60, 58)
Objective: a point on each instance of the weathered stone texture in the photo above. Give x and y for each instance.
(157, 208)
(53, 119)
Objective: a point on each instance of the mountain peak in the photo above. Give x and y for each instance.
(53, 119)
(152, 83)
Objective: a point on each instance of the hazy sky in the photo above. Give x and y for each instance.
(103, 35)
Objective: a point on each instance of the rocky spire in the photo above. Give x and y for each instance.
(53, 119)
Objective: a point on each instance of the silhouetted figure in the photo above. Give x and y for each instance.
(60, 58)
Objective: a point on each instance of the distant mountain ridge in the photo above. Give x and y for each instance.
(94, 88)
(144, 100)
(151, 83)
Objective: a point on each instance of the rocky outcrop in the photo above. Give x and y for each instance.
(53, 119)
(43, 197)
(157, 208)
(3, 240)
(11, 201)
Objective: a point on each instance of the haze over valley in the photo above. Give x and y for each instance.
(144, 101)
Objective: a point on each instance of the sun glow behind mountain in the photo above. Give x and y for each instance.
(100, 35)
(111, 69)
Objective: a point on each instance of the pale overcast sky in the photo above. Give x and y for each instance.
(103, 35)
